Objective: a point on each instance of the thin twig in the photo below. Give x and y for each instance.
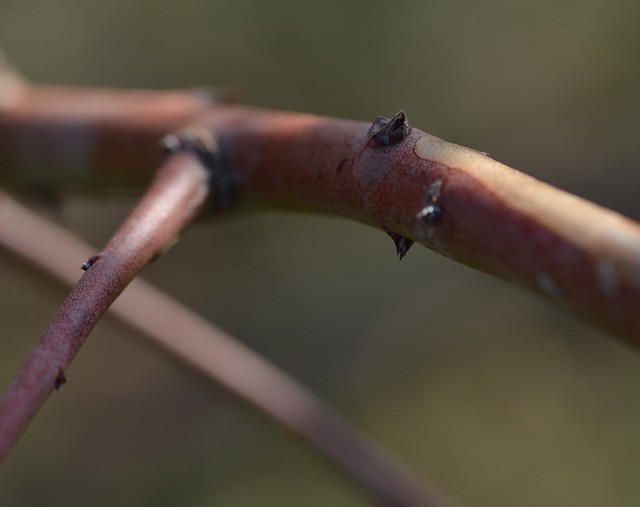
(188, 337)
(173, 200)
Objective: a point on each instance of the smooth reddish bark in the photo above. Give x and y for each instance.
(582, 256)
(456, 201)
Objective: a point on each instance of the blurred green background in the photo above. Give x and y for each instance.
(496, 397)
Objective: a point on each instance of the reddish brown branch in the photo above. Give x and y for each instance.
(580, 255)
(85, 136)
(454, 200)
(176, 195)
(123, 129)
(220, 358)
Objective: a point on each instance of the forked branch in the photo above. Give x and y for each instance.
(177, 194)
(221, 359)
(414, 186)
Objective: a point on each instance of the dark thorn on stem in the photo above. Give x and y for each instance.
(385, 131)
(402, 244)
(432, 211)
(61, 378)
(200, 142)
(90, 262)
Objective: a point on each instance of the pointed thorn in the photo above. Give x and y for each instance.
(61, 378)
(90, 262)
(385, 131)
(402, 244)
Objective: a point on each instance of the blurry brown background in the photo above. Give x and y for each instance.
(499, 399)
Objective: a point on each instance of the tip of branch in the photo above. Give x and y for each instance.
(11, 83)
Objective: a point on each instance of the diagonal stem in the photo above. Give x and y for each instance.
(189, 338)
(173, 200)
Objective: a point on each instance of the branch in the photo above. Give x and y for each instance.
(414, 186)
(453, 200)
(122, 129)
(176, 195)
(220, 358)
(88, 137)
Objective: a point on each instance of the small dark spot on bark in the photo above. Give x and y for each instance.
(340, 167)
(402, 244)
(90, 262)
(432, 210)
(385, 131)
(61, 378)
